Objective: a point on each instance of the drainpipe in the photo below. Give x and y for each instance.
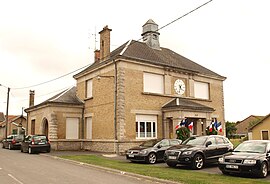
(82, 130)
(116, 146)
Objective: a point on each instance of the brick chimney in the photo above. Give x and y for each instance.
(31, 98)
(105, 43)
(97, 55)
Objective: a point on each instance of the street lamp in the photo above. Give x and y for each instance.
(7, 107)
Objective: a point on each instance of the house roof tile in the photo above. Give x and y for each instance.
(67, 96)
(186, 104)
(141, 52)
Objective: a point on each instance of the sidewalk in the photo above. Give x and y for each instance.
(106, 155)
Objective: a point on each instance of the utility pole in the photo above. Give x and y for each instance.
(7, 111)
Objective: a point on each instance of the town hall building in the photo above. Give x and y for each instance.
(137, 92)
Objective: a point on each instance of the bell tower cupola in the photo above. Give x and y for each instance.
(150, 34)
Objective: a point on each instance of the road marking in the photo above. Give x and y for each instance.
(15, 179)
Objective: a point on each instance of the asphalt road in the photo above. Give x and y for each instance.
(23, 168)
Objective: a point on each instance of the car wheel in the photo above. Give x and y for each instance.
(3, 145)
(30, 151)
(263, 170)
(48, 150)
(152, 158)
(171, 164)
(198, 161)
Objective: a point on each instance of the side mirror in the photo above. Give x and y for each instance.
(208, 143)
(159, 146)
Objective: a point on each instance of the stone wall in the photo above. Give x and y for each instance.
(106, 146)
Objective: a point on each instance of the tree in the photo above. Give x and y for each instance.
(230, 129)
(183, 133)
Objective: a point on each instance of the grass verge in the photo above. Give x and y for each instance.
(172, 174)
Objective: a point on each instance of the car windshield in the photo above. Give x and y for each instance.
(195, 141)
(251, 147)
(150, 143)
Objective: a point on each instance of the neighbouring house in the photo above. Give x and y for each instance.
(243, 126)
(260, 130)
(137, 92)
(14, 122)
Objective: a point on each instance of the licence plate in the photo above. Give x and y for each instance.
(131, 155)
(172, 157)
(41, 143)
(232, 166)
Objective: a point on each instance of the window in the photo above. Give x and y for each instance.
(153, 83)
(72, 128)
(146, 126)
(220, 140)
(212, 140)
(201, 90)
(164, 143)
(265, 135)
(89, 88)
(89, 128)
(174, 142)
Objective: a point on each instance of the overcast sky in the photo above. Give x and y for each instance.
(42, 40)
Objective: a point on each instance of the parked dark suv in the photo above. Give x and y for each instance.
(36, 143)
(198, 150)
(151, 151)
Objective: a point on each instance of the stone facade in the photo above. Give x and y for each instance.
(109, 118)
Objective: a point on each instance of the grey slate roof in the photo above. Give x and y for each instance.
(185, 104)
(67, 96)
(140, 52)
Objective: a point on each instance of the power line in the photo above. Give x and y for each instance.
(51, 79)
(95, 41)
(182, 16)
(185, 15)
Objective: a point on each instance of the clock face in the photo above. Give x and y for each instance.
(179, 87)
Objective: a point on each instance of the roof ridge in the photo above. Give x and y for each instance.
(125, 48)
(61, 94)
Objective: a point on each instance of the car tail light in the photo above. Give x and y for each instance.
(13, 141)
(33, 141)
(48, 141)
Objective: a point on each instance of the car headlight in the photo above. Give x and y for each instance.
(249, 161)
(187, 153)
(143, 152)
(221, 159)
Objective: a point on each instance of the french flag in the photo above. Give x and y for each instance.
(210, 127)
(190, 126)
(219, 128)
(177, 126)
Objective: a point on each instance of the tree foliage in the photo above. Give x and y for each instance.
(230, 129)
(213, 132)
(183, 133)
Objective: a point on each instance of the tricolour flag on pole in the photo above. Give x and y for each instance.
(183, 122)
(219, 128)
(210, 127)
(178, 125)
(190, 126)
